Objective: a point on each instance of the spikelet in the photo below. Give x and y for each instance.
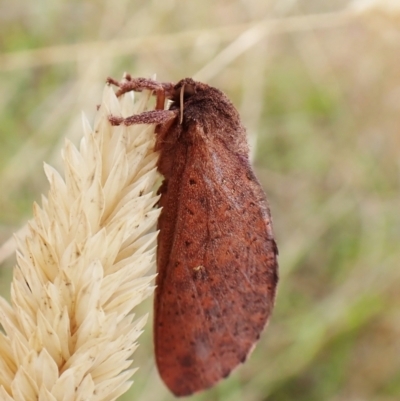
(69, 332)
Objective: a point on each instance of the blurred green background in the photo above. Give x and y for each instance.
(318, 87)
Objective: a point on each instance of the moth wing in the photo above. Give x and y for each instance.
(217, 263)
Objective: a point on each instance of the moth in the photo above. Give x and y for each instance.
(217, 257)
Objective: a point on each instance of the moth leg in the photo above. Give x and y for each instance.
(147, 117)
(135, 84)
(161, 89)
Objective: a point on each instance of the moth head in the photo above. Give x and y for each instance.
(184, 89)
(186, 94)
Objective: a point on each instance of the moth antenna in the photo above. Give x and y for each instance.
(181, 103)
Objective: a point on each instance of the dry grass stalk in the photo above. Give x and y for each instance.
(69, 332)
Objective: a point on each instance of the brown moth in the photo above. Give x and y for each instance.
(217, 258)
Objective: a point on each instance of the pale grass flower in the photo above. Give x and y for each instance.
(69, 331)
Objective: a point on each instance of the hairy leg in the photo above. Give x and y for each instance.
(147, 117)
(161, 89)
